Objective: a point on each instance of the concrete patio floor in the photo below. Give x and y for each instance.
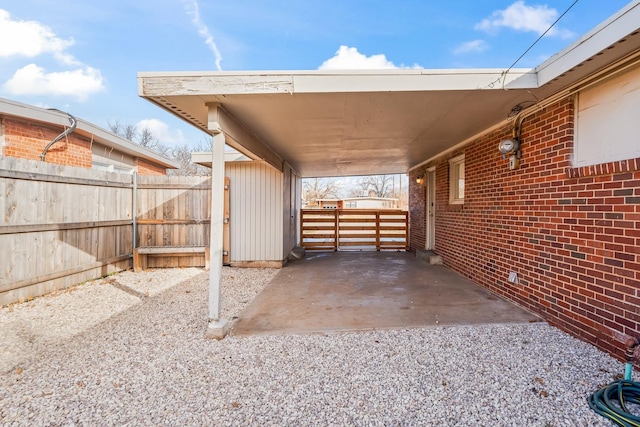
(347, 291)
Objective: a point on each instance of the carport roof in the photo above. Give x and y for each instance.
(340, 123)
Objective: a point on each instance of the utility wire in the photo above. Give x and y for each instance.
(539, 38)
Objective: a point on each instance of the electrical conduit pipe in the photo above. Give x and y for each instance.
(73, 122)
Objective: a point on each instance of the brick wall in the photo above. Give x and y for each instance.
(572, 235)
(27, 141)
(148, 168)
(417, 211)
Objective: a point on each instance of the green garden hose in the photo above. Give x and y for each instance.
(611, 401)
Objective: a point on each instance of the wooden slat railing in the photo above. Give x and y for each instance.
(354, 229)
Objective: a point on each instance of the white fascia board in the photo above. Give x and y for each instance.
(320, 81)
(102, 136)
(618, 26)
(17, 109)
(413, 81)
(161, 84)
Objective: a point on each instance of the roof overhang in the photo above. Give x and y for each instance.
(340, 123)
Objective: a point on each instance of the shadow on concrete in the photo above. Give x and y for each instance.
(346, 291)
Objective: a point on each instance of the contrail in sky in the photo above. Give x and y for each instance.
(193, 9)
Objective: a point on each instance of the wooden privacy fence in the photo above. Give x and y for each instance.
(354, 229)
(173, 217)
(63, 225)
(60, 226)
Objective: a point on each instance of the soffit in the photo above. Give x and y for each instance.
(356, 132)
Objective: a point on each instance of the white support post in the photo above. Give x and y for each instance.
(218, 327)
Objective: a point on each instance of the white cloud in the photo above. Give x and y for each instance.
(161, 130)
(30, 39)
(33, 80)
(193, 9)
(348, 58)
(475, 46)
(525, 18)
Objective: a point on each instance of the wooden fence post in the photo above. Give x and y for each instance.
(378, 231)
(337, 229)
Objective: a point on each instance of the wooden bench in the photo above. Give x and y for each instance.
(140, 254)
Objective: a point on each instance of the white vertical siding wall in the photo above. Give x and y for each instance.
(255, 191)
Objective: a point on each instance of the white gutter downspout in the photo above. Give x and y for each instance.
(217, 327)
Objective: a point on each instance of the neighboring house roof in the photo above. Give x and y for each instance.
(84, 128)
(383, 199)
(356, 198)
(340, 123)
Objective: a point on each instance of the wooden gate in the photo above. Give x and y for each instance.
(354, 229)
(173, 219)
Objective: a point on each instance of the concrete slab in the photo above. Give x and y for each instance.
(346, 291)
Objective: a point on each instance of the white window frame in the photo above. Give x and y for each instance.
(456, 169)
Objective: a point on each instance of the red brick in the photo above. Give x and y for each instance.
(27, 140)
(569, 233)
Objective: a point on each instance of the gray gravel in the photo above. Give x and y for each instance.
(143, 360)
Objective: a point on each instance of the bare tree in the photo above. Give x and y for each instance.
(320, 188)
(375, 185)
(146, 138)
(205, 144)
(125, 131)
(187, 168)
(143, 137)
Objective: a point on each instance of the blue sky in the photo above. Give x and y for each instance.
(83, 57)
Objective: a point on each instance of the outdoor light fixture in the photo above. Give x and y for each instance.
(420, 180)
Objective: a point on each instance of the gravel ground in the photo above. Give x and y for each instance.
(130, 350)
